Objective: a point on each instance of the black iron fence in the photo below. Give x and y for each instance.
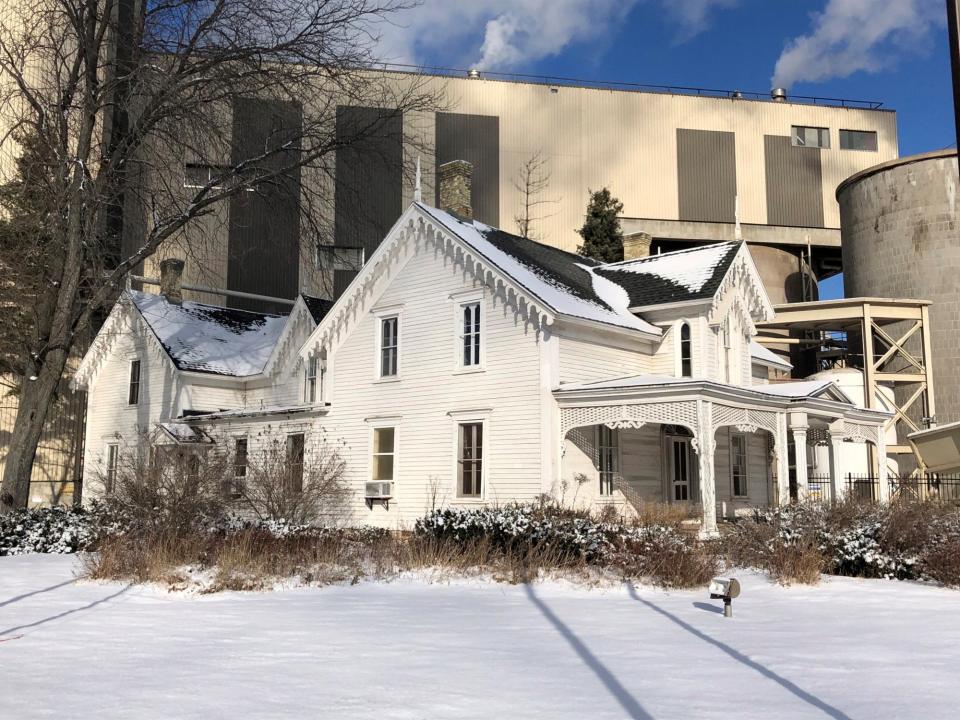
(819, 488)
(917, 486)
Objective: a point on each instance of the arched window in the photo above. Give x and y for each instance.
(686, 351)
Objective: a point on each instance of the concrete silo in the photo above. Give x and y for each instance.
(900, 230)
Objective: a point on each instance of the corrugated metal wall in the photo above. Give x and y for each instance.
(264, 236)
(476, 139)
(794, 177)
(369, 177)
(706, 175)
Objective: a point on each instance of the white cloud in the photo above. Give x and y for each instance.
(849, 36)
(507, 34)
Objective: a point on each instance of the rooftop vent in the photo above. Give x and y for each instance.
(473, 74)
(736, 95)
(779, 94)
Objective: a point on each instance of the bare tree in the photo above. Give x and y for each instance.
(530, 183)
(278, 487)
(113, 102)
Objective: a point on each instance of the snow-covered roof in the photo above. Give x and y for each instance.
(683, 275)
(764, 356)
(253, 412)
(210, 339)
(181, 433)
(566, 283)
(580, 287)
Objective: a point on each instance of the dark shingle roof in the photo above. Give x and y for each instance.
(693, 274)
(318, 307)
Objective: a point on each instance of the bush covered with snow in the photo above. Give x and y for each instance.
(901, 540)
(44, 530)
(663, 554)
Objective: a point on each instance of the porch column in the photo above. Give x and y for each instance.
(838, 489)
(705, 445)
(884, 488)
(781, 449)
(798, 423)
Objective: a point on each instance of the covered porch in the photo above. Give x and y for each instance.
(720, 450)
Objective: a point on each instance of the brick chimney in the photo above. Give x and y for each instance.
(455, 179)
(636, 245)
(171, 277)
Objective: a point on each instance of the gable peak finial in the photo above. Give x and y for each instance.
(417, 193)
(737, 230)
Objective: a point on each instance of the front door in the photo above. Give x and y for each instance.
(679, 455)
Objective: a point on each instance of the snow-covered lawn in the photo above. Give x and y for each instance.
(408, 649)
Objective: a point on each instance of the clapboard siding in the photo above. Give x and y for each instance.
(583, 360)
(508, 391)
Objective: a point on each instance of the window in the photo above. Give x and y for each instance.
(234, 488)
(608, 458)
(470, 460)
(133, 390)
(858, 140)
(816, 137)
(384, 451)
(310, 380)
(389, 346)
(112, 459)
(738, 464)
(470, 334)
(686, 351)
(295, 452)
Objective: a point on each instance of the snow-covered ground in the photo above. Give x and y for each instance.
(408, 649)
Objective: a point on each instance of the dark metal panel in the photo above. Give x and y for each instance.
(369, 175)
(794, 183)
(476, 139)
(263, 253)
(706, 175)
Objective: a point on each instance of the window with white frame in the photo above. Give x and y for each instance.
(815, 137)
(738, 464)
(234, 488)
(310, 380)
(111, 461)
(389, 346)
(382, 459)
(133, 387)
(608, 458)
(296, 447)
(470, 459)
(469, 336)
(686, 350)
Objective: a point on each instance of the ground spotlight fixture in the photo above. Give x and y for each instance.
(725, 589)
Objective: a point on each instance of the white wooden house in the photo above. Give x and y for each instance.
(467, 366)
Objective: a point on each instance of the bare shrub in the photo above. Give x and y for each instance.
(941, 562)
(663, 514)
(146, 557)
(170, 489)
(280, 485)
(667, 558)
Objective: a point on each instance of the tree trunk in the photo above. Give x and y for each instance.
(36, 397)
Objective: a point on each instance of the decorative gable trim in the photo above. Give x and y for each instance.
(743, 274)
(124, 321)
(418, 228)
(299, 319)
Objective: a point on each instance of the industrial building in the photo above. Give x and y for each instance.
(685, 162)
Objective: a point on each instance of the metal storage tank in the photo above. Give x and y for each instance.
(900, 231)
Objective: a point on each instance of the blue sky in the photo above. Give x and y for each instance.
(893, 51)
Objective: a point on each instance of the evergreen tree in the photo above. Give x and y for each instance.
(601, 233)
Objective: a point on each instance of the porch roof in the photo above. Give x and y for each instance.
(816, 396)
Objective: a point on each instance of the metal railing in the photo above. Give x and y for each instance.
(559, 80)
(863, 487)
(916, 486)
(819, 488)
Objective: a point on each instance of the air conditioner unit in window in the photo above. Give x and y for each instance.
(379, 490)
